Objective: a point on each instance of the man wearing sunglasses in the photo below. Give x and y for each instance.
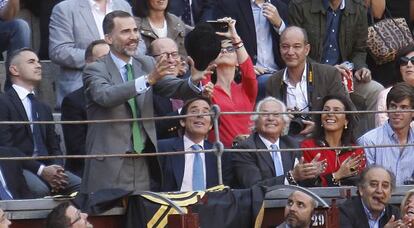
(66, 215)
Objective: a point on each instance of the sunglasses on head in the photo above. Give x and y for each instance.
(404, 60)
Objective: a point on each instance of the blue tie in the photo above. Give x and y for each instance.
(198, 171)
(39, 146)
(276, 160)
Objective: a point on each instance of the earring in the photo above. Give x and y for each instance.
(321, 124)
(346, 126)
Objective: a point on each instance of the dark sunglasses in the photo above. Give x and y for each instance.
(228, 49)
(404, 60)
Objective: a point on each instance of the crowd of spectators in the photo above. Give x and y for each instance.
(131, 59)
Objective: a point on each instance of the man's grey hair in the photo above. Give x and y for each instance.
(283, 107)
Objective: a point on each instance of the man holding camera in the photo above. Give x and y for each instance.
(273, 167)
(302, 84)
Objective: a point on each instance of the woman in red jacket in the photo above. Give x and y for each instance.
(335, 130)
(229, 95)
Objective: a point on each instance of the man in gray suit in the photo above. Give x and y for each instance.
(74, 24)
(279, 167)
(298, 211)
(112, 91)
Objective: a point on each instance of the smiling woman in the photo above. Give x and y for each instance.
(335, 130)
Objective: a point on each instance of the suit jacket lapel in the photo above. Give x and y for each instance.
(247, 12)
(19, 108)
(264, 155)
(178, 162)
(85, 11)
(211, 166)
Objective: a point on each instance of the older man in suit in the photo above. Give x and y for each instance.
(19, 103)
(254, 167)
(74, 24)
(120, 86)
(302, 84)
(180, 171)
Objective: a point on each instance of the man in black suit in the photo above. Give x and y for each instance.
(198, 10)
(20, 104)
(371, 206)
(259, 24)
(74, 108)
(12, 174)
(254, 167)
(180, 171)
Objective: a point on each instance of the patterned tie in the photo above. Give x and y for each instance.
(198, 171)
(136, 133)
(186, 17)
(39, 146)
(276, 160)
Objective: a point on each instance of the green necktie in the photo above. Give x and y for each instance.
(136, 134)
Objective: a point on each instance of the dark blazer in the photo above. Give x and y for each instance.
(326, 80)
(12, 171)
(20, 135)
(202, 10)
(167, 128)
(251, 168)
(241, 10)
(74, 108)
(172, 167)
(352, 214)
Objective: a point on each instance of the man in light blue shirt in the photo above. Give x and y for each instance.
(396, 131)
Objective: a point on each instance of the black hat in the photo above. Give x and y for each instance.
(203, 45)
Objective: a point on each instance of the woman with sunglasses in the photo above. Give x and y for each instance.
(155, 22)
(334, 130)
(404, 67)
(230, 96)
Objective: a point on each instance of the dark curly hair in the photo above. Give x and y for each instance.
(347, 137)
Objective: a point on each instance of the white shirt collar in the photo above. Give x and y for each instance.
(342, 6)
(303, 79)
(21, 91)
(268, 143)
(94, 5)
(188, 143)
(120, 64)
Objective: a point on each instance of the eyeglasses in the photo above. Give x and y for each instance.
(404, 60)
(78, 217)
(174, 55)
(228, 49)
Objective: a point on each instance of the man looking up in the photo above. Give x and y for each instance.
(119, 86)
(298, 211)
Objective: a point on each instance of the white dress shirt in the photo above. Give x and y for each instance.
(297, 95)
(187, 184)
(99, 16)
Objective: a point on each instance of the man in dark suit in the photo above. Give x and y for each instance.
(371, 206)
(74, 109)
(20, 104)
(179, 171)
(254, 167)
(259, 24)
(119, 86)
(12, 174)
(302, 84)
(198, 10)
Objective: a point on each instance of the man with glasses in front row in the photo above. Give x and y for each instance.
(396, 131)
(66, 215)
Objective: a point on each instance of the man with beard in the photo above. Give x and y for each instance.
(66, 215)
(370, 209)
(120, 86)
(298, 211)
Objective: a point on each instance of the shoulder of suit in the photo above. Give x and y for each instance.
(168, 142)
(290, 141)
(299, 1)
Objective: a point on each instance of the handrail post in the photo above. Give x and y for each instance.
(218, 145)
